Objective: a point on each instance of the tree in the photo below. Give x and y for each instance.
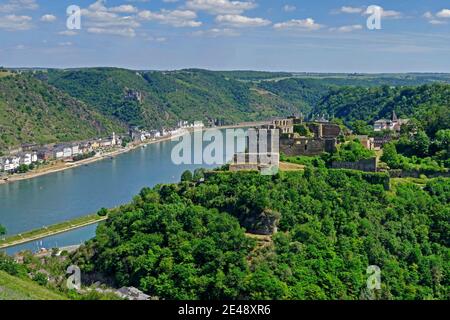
(103, 212)
(186, 176)
(2, 230)
(443, 139)
(421, 144)
(199, 174)
(361, 127)
(390, 155)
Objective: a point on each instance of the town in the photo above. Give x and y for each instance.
(28, 156)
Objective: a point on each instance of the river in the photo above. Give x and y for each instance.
(60, 196)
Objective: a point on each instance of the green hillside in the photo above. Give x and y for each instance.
(430, 104)
(31, 111)
(14, 288)
(168, 96)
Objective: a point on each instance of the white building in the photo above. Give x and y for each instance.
(59, 153)
(67, 152)
(198, 124)
(11, 163)
(26, 159)
(75, 150)
(392, 125)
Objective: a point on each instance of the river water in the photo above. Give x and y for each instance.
(60, 196)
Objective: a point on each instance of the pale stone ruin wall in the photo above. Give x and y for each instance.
(367, 165)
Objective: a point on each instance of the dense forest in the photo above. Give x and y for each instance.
(191, 240)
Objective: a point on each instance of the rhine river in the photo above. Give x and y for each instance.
(64, 195)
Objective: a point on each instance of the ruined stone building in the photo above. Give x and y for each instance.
(324, 139)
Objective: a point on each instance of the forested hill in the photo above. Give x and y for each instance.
(31, 111)
(187, 241)
(167, 97)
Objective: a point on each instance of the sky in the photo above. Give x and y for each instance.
(272, 35)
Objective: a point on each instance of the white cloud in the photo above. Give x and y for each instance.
(13, 22)
(217, 32)
(437, 22)
(289, 8)
(428, 15)
(347, 9)
(156, 39)
(125, 8)
(68, 33)
(434, 20)
(48, 18)
(239, 21)
(124, 32)
(306, 24)
(350, 28)
(102, 20)
(18, 5)
(65, 44)
(444, 13)
(176, 18)
(220, 7)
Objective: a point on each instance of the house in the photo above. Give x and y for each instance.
(95, 144)
(67, 151)
(58, 153)
(75, 149)
(394, 124)
(25, 158)
(379, 142)
(10, 163)
(85, 147)
(45, 154)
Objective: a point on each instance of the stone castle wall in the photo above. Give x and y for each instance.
(367, 165)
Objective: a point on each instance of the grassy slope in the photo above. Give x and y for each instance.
(13, 288)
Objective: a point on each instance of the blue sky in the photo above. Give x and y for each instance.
(282, 35)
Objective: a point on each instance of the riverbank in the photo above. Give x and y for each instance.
(52, 230)
(61, 166)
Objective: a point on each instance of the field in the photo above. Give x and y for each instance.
(12, 288)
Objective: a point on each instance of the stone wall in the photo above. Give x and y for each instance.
(367, 165)
(306, 146)
(398, 173)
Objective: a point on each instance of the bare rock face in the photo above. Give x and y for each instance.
(264, 224)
